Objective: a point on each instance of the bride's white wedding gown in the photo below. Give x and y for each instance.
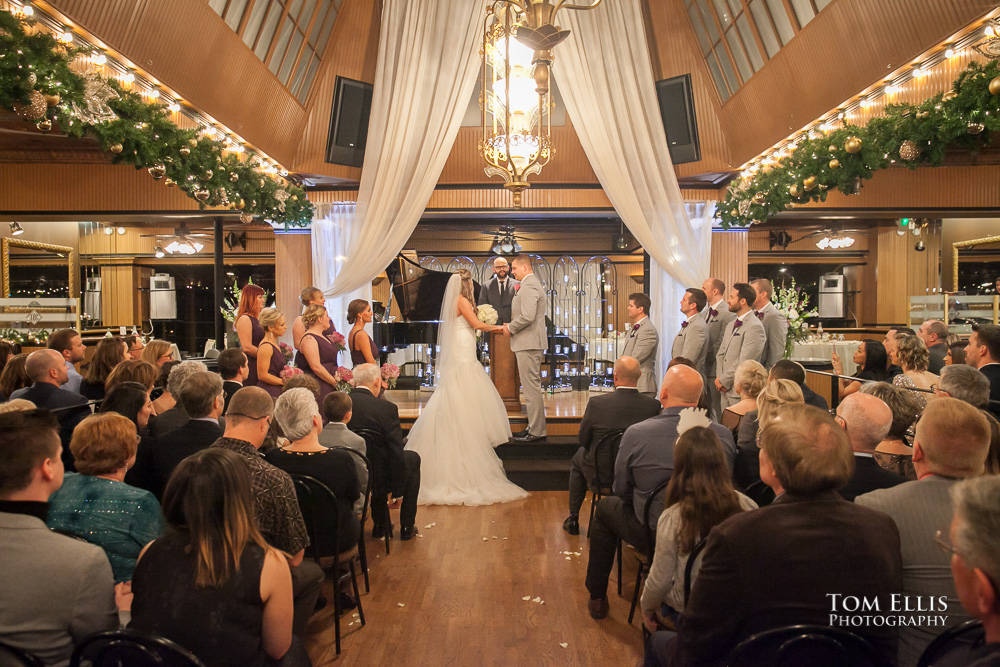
(457, 430)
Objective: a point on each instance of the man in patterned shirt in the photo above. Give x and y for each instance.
(275, 503)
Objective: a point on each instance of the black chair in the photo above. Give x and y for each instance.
(954, 645)
(605, 454)
(813, 645)
(364, 513)
(689, 568)
(18, 656)
(131, 648)
(645, 560)
(309, 490)
(378, 475)
(760, 493)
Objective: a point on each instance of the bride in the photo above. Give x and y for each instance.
(465, 417)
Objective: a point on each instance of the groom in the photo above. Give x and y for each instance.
(528, 341)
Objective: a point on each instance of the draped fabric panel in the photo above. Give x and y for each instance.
(331, 237)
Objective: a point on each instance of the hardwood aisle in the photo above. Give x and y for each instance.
(461, 595)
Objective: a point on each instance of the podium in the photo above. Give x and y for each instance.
(503, 372)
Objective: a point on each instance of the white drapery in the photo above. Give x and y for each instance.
(331, 238)
(427, 64)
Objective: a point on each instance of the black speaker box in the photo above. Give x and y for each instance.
(679, 120)
(352, 107)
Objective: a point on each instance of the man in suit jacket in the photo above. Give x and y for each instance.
(69, 344)
(743, 339)
(202, 398)
(605, 413)
(775, 323)
(400, 469)
(866, 419)
(951, 442)
(56, 590)
(934, 333)
(717, 317)
(692, 340)
(499, 291)
(337, 412)
(982, 352)
(176, 416)
(234, 370)
(528, 340)
(786, 369)
(47, 370)
(645, 461)
(642, 342)
(778, 565)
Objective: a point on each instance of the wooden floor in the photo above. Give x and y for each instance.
(454, 596)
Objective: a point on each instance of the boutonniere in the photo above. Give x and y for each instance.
(712, 312)
(737, 324)
(517, 287)
(684, 325)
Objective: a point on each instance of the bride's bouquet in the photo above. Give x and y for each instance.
(487, 314)
(344, 378)
(390, 373)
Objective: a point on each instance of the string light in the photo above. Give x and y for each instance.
(154, 93)
(128, 77)
(173, 107)
(949, 53)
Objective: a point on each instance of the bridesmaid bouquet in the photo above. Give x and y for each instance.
(338, 341)
(390, 373)
(344, 378)
(289, 371)
(286, 350)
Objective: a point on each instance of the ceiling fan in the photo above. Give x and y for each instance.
(505, 241)
(183, 241)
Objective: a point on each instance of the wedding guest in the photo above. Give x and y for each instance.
(360, 344)
(704, 402)
(135, 346)
(109, 353)
(690, 341)
(212, 583)
(775, 394)
(56, 590)
(956, 353)
(750, 379)
(162, 399)
(890, 339)
(7, 352)
(158, 352)
(934, 334)
(302, 381)
(717, 316)
(317, 356)
(894, 452)
(911, 355)
(96, 503)
(866, 420)
(175, 415)
(135, 370)
(14, 376)
(337, 411)
(774, 321)
(270, 358)
(248, 329)
(69, 345)
(983, 352)
(786, 369)
(642, 341)
(872, 361)
(744, 338)
(17, 405)
(967, 384)
(499, 291)
(130, 400)
(233, 370)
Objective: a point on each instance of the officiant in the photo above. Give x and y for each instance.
(499, 291)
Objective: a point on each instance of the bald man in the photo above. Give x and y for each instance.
(645, 461)
(866, 419)
(499, 291)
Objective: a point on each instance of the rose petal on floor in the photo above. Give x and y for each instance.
(526, 598)
(563, 644)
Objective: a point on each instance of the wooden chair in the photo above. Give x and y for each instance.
(378, 475)
(117, 648)
(813, 645)
(309, 490)
(11, 655)
(364, 513)
(645, 560)
(953, 646)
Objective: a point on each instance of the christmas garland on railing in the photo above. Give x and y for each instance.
(38, 83)
(906, 134)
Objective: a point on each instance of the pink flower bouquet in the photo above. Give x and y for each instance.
(390, 373)
(289, 371)
(344, 378)
(286, 350)
(338, 341)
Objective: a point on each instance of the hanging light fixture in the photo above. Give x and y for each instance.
(518, 38)
(158, 251)
(16, 229)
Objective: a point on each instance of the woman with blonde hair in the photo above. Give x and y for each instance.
(316, 355)
(746, 470)
(158, 352)
(749, 381)
(270, 358)
(310, 296)
(910, 353)
(133, 370)
(248, 329)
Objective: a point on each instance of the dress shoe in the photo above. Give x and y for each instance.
(320, 603)
(378, 531)
(572, 525)
(525, 436)
(406, 533)
(598, 608)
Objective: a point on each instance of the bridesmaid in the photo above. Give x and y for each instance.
(311, 296)
(316, 355)
(248, 328)
(362, 347)
(270, 358)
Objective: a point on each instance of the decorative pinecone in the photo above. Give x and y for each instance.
(909, 151)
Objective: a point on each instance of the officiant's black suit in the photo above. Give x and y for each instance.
(491, 294)
(400, 468)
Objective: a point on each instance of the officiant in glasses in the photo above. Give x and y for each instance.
(499, 291)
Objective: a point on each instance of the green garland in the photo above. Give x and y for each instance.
(30, 338)
(143, 134)
(961, 118)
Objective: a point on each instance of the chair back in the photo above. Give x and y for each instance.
(319, 524)
(693, 559)
(647, 510)
(605, 454)
(131, 648)
(813, 645)
(11, 655)
(378, 461)
(365, 490)
(954, 646)
(760, 493)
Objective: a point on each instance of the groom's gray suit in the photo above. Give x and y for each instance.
(528, 340)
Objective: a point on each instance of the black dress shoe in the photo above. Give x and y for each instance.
(524, 436)
(572, 525)
(598, 608)
(406, 533)
(378, 531)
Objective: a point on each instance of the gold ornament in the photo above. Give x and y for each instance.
(809, 183)
(834, 163)
(32, 78)
(170, 183)
(789, 206)
(202, 195)
(44, 125)
(909, 151)
(744, 206)
(975, 128)
(795, 190)
(184, 150)
(193, 142)
(240, 204)
(760, 199)
(52, 100)
(234, 177)
(261, 183)
(207, 176)
(823, 188)
(925, 114)
(833, 149)
(995, 86)
(852, 145)
(950, 95)
(117, 148)
(295, 197)
(246, 218)
(734, 212)
(157, 171)
(35, 109)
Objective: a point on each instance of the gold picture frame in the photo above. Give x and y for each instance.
(9, 243)
(955, 247)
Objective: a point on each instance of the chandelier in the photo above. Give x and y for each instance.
(518, 38)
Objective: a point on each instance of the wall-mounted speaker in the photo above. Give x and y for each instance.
(352, 107)
(677, 109)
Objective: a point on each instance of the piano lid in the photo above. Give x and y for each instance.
(418, 291)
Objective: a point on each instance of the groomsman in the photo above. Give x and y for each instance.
(717, 316)
(642, 342)
(691, 340)
(743, 339)
(499, 291)
(775, 324)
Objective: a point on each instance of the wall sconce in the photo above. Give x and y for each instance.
(16, 229)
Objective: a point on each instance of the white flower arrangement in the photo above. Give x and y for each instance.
(793, 303)
(487, 314)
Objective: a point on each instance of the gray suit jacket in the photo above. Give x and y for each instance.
(56, 590)
(641, 344)
(527, 316)
(691, 342)
(336, 434)
(490, 293)
(776, 331)
(716, 327)
(920, 509)
(738, 345)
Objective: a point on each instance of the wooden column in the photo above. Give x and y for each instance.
(503, 372)
(729, 257)
(292, 273)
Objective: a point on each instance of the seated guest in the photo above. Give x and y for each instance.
(706, 399)
(872, 361)
(645, 460)
(275, 504)
(758, 572)
(750, 378)
(972, 544)
(234, 370)
(967, 384)
(934, 334)
(69, 345)
(135, 346)
(890, 339)
(97, 504)
(55, 590)
(162, 399)
(747, 468)
(951, 443)
(956, 353)
(983, 352)
(866, 420)
(337, 408)
(270, 358)
(7, 352)
(911, 355)
(298, 414)
(400, 469)
(47, 369)
(158, 352)
(212, 583)
(135, 370)
(791, 370)
(699, 497)
(316, 355)
(894, 452)
(129, 399)
(175, 416)
(109, 353)
(17, 405)
(605, 414)
(14, 377)
(202, 400)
